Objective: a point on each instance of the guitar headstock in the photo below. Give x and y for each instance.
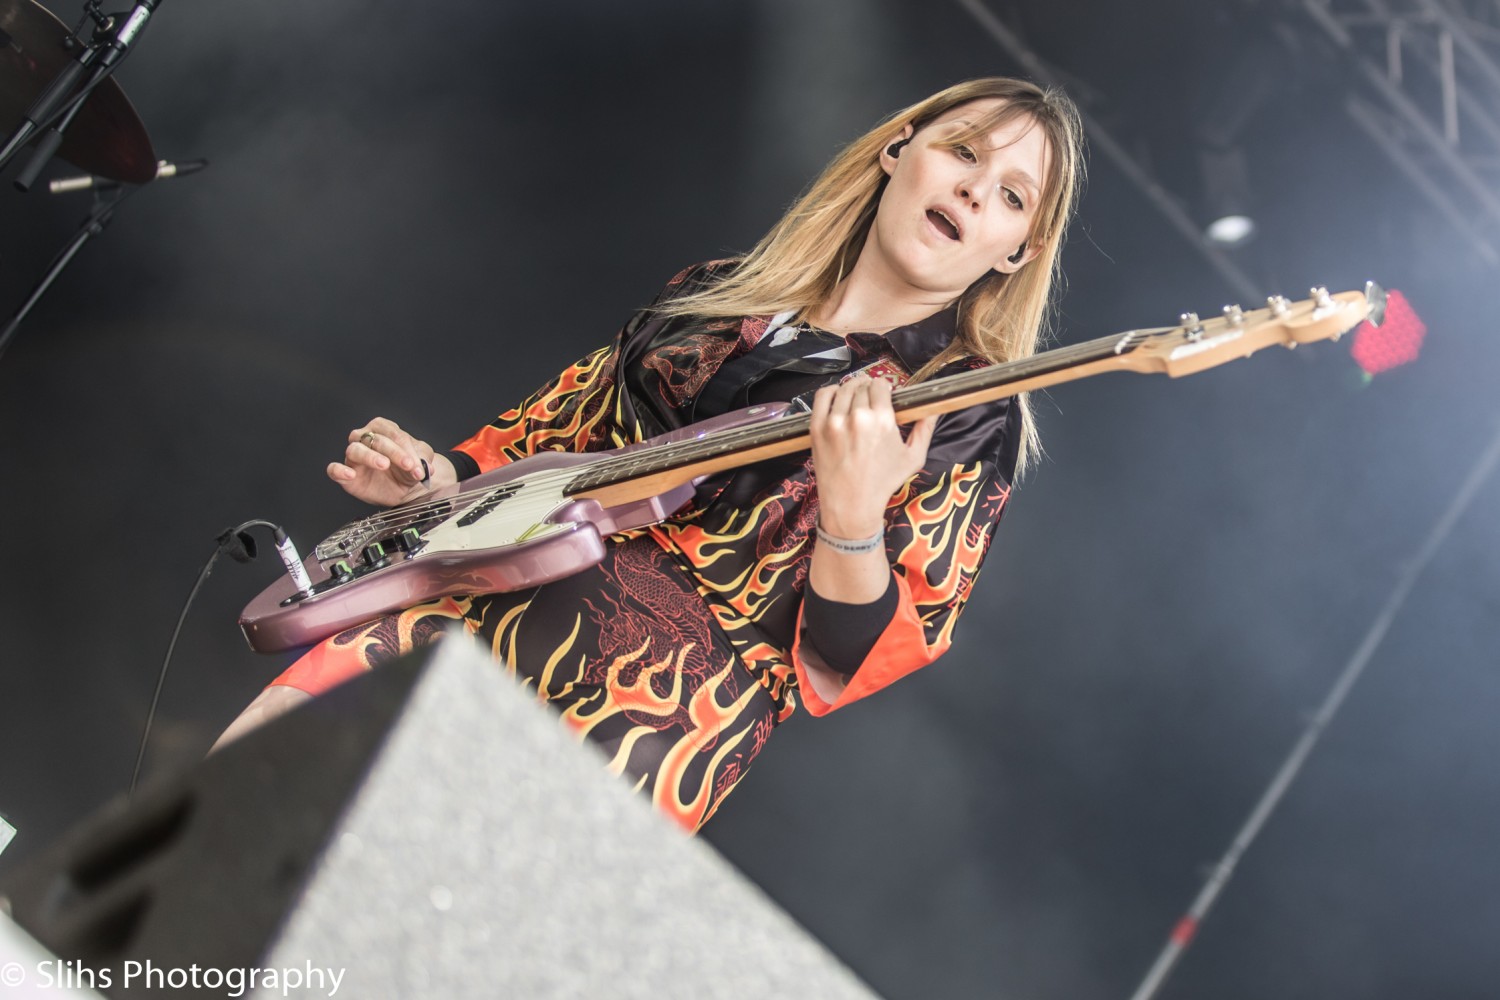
(1197, 344)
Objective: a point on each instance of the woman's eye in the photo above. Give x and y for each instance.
(1014, 199)
(964, 153)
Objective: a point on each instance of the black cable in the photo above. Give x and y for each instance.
(241, 547)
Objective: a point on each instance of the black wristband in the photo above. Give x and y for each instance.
(843, 634)
(463, 464)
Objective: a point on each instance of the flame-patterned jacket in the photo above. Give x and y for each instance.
(746, 540)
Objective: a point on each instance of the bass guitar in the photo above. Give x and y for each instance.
(547, 516)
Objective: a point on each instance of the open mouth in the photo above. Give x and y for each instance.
(943, 224)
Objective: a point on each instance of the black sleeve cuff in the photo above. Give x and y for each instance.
(463, 464)
(843, 634)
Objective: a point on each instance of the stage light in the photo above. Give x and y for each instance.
(1230, 230)
(1226, 196)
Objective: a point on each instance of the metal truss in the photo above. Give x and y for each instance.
(1430, 98)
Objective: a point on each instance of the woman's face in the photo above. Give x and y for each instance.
(947, 216)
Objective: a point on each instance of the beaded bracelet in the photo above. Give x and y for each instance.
(851, 546)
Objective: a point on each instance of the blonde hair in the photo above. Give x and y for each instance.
(799, 263)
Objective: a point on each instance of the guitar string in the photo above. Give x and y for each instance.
(668, 456)
(676, 453)
(606, 471)
(683, 452)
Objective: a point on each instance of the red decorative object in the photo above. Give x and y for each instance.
(1394, 342)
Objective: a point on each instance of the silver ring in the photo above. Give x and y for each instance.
(367, 438)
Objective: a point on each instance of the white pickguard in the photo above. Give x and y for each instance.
(518, 518)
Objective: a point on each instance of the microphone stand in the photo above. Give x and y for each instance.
(98, 219)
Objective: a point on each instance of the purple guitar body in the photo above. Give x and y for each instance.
(515, 527)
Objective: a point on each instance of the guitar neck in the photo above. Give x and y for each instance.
(650, 472)
(1194, 346)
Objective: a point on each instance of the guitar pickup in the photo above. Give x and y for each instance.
(486, 505)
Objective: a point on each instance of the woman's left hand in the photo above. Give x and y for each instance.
(859, 456)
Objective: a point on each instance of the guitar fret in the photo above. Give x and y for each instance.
(666, 457)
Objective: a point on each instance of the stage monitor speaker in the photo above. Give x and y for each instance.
(428, 830)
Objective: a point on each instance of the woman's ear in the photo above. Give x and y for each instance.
(1023, 255)
(891, 152)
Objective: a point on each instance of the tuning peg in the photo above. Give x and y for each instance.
(1193, 326)
(1375, 300)
(1322, 300)
(1278, 305)
(1235, 315)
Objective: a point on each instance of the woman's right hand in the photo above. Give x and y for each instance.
(383, 465)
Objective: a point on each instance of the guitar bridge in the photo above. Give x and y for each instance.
(352, 539)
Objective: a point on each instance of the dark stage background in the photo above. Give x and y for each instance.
(423, 211)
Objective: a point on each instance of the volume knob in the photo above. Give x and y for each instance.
(374, 555)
